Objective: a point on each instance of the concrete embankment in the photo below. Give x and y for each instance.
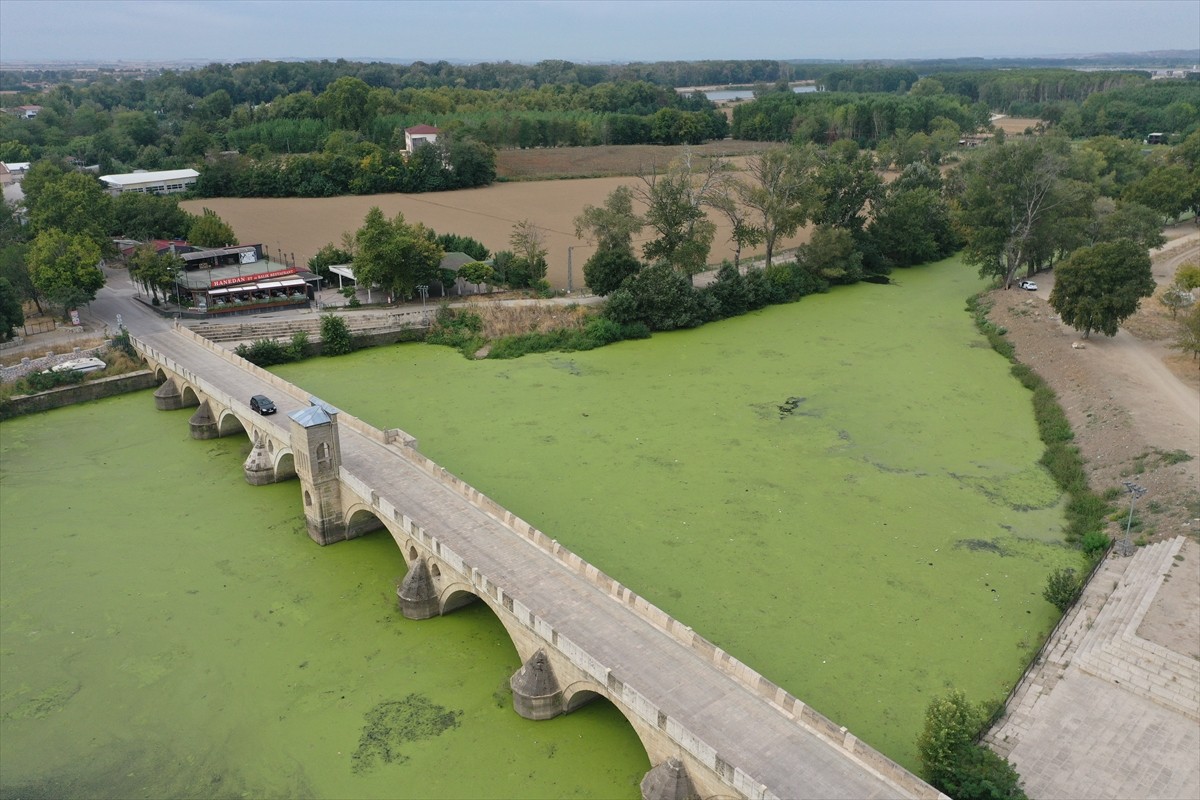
(79, 393)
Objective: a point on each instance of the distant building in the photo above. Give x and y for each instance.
(25, 112)
(419, 135)
(13, 171)
(162, 182)
(1156, 138)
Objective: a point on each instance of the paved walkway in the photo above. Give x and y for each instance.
(1110, 714)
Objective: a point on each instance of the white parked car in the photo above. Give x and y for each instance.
(1028, 286)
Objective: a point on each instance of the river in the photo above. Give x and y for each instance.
(841, 492)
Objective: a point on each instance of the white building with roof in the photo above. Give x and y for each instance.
(167, 181)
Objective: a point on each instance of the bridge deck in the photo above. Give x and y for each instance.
(745, 730)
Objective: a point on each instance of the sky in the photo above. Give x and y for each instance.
(582, 31)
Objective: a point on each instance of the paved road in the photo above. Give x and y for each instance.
(746, 731)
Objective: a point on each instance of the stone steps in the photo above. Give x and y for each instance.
(1113, 651)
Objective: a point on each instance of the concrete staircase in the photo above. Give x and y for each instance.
(1114, 651)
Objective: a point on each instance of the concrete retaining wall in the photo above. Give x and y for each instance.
(79, 393)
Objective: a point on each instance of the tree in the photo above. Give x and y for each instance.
(154, 270)
(951, 723)
(1187, 339)
(951, 760)
(1176, 297)
(328, 256)
(1014, 195)
(74, 203)
(209, 230)
(64, 268)
(912, 226)
(675, 204)
(395, 255)
(11, 313)
(1098, 287)
(477, 272)
(529, 245)
(613, 225)
(846, 182)
(149, 216)
(831, 256)
(1168, 189)
(607, 269)
(1126, 220)
(781, 192)
(343, 104)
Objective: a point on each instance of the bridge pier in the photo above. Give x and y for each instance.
(536, 693)
(168, 397)
(258, 468)
(668, 781)
(418, 597)
(203, 424)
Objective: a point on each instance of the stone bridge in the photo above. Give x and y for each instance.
(711, 726)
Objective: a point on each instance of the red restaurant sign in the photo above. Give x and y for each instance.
(261, 276)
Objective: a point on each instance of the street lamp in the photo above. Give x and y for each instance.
(1135, 492)
(424, 290)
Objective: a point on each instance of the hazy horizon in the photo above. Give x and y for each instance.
(587, 31)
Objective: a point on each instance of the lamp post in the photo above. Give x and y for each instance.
(1135, 492)
(424, 291)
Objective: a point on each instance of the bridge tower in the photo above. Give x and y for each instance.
(318, 455)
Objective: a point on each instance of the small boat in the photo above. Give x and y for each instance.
(90, 364)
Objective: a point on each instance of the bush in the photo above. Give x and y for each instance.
(264, 352)
(335, 336)
(1094, 543)
(1062, 588)
(44, 381)
(951, 760)
(299, 347)
(458, 329)
(659, 297)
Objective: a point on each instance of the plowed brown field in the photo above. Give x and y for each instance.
(301, 226)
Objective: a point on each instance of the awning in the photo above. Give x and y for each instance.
(257, 287)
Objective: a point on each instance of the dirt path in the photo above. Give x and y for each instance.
(1134, 404)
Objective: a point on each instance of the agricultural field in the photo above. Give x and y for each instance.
(301, 226)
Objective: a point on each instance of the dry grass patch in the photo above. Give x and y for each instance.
(513, 320)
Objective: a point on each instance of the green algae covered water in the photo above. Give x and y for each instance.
(843, 493)
(169, 631)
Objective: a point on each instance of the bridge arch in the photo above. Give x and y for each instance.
(361, 519)
(458, 594)
(189, 396)
(580, 693)
(229, 423)
(285, 464)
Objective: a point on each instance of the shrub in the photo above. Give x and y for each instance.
(44, 381)
(264, 352)
(458, 329)
(1062, 587)
(1094, 543)
(335, 336)
(299, 347)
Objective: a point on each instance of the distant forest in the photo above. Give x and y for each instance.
(321, 128)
